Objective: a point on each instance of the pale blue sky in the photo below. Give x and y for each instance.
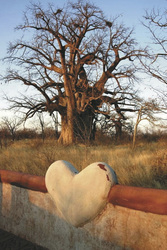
(11, 15)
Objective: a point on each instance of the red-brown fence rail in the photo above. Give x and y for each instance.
(137, 198)
(32, 182)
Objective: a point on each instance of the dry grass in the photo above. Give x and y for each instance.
(145, 166)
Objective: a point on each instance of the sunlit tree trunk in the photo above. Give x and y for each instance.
(136, 126)
(67, 130)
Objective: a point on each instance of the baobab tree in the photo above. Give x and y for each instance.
(76, 60)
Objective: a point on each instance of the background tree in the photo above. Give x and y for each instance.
(4, 136)
(12, 125)
(76, 60)
(42, 125)
(147, 112)
(118, 118)
(156, 24)
(56, 124)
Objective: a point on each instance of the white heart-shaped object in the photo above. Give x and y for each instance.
(79, 197)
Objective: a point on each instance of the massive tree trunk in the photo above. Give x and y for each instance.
(67, 130)
(67, 125)
(83, 126)
(77, 127)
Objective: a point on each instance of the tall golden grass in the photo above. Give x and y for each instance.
(145, 166)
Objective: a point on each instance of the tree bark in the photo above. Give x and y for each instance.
(77, 127)
(83, 126)
(67, 129)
